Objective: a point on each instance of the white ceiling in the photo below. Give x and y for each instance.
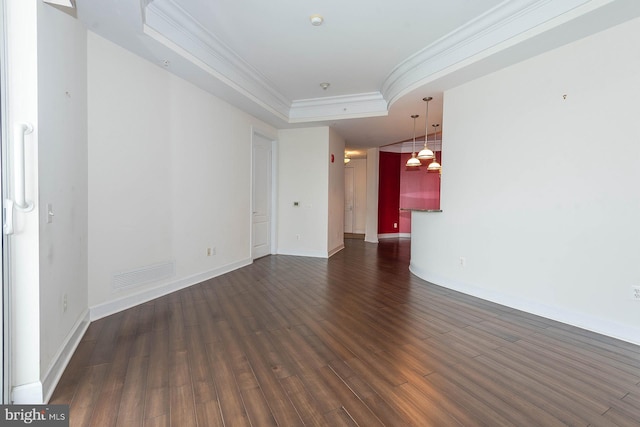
(380, 57)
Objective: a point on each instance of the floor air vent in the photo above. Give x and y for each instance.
(148, 274)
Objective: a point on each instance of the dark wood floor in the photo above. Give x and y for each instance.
(354, 340)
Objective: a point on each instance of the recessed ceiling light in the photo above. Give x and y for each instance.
(316, 20)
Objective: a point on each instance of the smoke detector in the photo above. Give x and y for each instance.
(316, 20)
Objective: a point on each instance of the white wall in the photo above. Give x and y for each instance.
(359, 167)
(371, 224)
(539, 191)
(303, 176)
(169, 176)
(62, 141)
(335, 230)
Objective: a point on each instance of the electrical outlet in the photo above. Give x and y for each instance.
(64, 303)
(209, 251)
(395, 225)
(635, 293)
(463, 262)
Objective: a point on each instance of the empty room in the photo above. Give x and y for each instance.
(342, 213)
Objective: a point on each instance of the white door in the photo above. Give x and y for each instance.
(348, 200)
(261, 203)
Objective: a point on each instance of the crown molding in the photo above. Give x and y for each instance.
(168, 23)
(503, 23)
(370, 104)
(503, 26)
(65, 3)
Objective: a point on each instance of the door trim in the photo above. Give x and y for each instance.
(5, 296)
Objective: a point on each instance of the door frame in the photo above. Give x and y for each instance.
(352, 212)
(5, 296)
(262, 133)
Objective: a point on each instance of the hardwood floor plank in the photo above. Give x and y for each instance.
(573, 410)
(481, 413)
(365, 392)
(231, 403)
(108, 404)
(357, 410)
(161, 421)
(305, 404)
(354, 340)
(209, 414)
(182, 406)
(281, 407)
(257, 407)
(157, 399)
(204, 388)
(134, 392)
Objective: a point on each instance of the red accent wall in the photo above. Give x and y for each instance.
(389, 192)
(403, 187)
(419, 189)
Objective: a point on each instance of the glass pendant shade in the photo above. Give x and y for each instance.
(413, 161)
(425, 153)
(434, 166)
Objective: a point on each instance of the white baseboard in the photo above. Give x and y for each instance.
(27, 394)
(336, 250)
(295, 252)
(601, 326)
(393, 235)
(61, 359)
(111, 307)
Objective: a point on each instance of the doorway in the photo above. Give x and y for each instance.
(348, 199)
(262, 195)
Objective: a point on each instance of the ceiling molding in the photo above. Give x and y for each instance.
(168, 23)
(407, 147)
(65, 3)
(359, 105)
(503, 26)
(171, 25)
(498, 25)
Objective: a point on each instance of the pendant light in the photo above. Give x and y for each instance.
(434, 166)
(425, 153)
(413, 161)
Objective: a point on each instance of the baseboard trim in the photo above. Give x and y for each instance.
(312, 254)
(336, 250)
(371, 238)
(27, 394)
(394, 235)
(62, 358)
(600, 326)
(117, 305)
